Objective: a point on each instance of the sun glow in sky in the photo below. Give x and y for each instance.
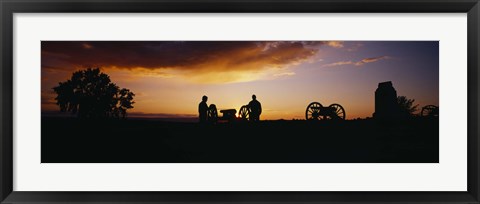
(170, 77)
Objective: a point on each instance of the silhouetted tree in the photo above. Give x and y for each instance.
(406, 106)
(90, 94)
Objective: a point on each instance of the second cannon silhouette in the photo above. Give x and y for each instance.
(429, 111)
(315, 111)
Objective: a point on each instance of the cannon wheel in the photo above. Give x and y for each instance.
(429, 110)
(244, 113)
(339, 112)
(313, 111)
(212, 115)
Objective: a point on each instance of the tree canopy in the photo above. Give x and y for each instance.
(406, 106)
(91, 94)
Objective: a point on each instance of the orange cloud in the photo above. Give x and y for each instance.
(285, 74)
(370, 60)
(335, 44)
(196, 61)
(87, 46)
(357, 63)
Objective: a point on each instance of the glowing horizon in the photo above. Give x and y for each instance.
(170, 77)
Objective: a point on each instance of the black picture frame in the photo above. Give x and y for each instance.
(9, 7)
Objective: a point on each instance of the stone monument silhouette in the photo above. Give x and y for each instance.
(386, 105)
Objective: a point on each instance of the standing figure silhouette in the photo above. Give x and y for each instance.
(202, 110)
(255, 109)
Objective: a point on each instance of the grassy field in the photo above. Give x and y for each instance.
(70, 140)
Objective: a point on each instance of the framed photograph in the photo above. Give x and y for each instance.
(239, 101)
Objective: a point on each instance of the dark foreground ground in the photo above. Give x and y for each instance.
(145, 141)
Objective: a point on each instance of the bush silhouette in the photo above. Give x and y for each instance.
(406, 106)
(90, 94)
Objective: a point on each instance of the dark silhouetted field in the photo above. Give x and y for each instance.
(151, 141)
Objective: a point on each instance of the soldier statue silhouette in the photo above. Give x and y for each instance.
(255, 109)
(202, 110)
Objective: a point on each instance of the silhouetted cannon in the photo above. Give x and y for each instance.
(244, 113)
(315, 111)
(429, 110)
(212, 115)
(227, 114)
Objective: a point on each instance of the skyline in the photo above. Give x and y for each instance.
(170, 77)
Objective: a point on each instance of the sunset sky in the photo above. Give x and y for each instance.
(169, 78)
